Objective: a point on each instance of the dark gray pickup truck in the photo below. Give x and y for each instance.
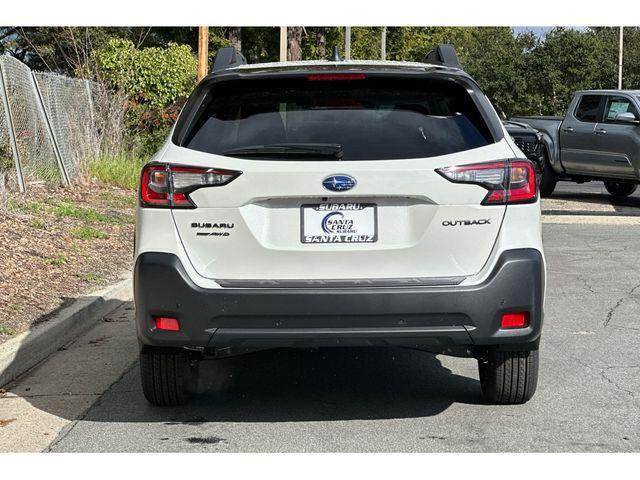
(597, 139)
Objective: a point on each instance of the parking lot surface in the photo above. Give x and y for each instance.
(88, 397)
(589, 199)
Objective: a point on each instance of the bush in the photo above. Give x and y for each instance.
(156, 81)
(154, 125)
(154, 77)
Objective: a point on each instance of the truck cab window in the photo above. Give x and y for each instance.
(587, 110)
(617, 105)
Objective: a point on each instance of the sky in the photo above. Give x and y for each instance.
(539, 31)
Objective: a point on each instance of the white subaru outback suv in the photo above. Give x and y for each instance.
(339, 203)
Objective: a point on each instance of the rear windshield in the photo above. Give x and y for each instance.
(370, 118)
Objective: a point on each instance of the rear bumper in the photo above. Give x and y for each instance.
(240, 319)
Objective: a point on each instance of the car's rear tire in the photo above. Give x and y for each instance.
(167, 378)
(508, 377)
(620, 189)
(549, 178)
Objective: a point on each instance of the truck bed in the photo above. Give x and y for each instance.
(548, 125)
(536, 117)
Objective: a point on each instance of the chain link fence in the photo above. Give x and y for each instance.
(51, 125)
(68, 104)
(6, 154)
(36, 156)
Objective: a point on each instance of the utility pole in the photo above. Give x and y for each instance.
(203, 52)
(383, 44)
(347, 43)
(283, 44)
(620, 58)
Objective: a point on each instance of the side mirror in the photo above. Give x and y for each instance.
(627, 117)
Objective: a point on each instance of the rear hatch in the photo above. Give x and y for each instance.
(338, 182)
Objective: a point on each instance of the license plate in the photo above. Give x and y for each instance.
(339, 223)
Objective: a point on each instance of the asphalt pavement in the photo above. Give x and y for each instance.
(88, 397)
(589, 198)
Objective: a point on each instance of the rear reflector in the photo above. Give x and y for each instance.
(515, 320)
(167, 323)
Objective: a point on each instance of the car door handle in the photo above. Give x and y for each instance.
(568, 130)
(600, 131)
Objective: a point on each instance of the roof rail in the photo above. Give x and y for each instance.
(444, 54)
(227, 57)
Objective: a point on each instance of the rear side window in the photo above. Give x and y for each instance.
(588, 107)
(371, 118)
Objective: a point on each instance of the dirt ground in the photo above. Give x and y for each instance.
(57, 244)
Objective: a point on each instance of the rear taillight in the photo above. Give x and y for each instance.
(508, 181)
(164, 185)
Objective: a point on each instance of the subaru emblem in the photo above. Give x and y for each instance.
(339, 183)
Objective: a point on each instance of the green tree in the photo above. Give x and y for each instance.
(631, 59)
(156, 80)
(607, 57)
(565, 61)
(493, 56)
(261, 44)
(318, 42)
(68, 49)
(413, 43)
(151, 76)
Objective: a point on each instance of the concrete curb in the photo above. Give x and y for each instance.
(29, 348)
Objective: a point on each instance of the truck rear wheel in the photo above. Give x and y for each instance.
(509, 377)
(167, 377)
(620, 189)
(549, 178)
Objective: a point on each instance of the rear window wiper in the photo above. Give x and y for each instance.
(313, 150)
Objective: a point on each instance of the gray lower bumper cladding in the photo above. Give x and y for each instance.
(429, 317)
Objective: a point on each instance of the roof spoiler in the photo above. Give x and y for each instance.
(227, 57)
(444, 54)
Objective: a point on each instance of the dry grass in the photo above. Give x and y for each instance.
(57, 244)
